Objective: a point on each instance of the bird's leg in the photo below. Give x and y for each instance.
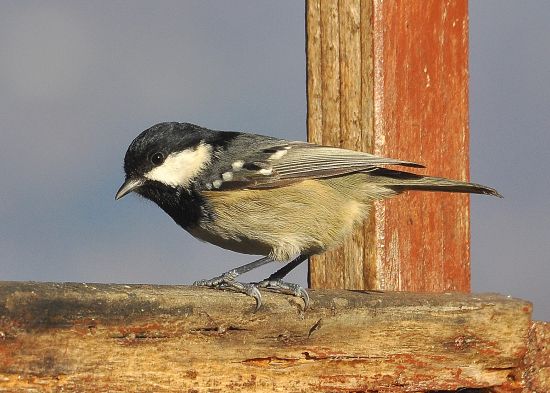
(227, 280)
(275, 283)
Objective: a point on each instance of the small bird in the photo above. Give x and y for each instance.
(261, 195)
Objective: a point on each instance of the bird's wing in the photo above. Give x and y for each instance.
(281, 163)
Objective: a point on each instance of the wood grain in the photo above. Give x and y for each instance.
(391, 78)
(537, 359)
(314, 101)
(423, 116)
(330, 106)
(142, 338)
(350, 120)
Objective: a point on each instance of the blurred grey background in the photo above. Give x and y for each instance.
(79, 80)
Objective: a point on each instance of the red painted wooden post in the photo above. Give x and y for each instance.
(391, 78)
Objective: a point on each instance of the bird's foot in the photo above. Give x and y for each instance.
(287, 288)
(227, 281)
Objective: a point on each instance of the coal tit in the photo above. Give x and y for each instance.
(261, 195)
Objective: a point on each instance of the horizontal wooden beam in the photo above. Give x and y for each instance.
(122, 338)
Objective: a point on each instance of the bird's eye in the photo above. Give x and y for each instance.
(157, 158)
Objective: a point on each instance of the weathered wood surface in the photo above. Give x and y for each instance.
(537, 359)
(391, 78)
(143, 338)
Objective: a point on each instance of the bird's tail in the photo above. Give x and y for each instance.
(402, 181)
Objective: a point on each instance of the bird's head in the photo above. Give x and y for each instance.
(165, 155)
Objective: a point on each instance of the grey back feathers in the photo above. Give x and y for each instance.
(259, 162)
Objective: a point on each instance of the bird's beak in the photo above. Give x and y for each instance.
(128, 186)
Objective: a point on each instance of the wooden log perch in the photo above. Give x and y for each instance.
(537, 361)
(144, 338)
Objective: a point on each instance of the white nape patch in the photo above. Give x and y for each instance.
(266, 171)
(178, 169)
(217, 183)
(237, 165)
(227, 176)
(277, 155)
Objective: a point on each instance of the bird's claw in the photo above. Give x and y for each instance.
(255, 293)
(286, 288)
(227, 281)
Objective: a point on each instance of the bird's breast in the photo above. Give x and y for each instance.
(303, 218)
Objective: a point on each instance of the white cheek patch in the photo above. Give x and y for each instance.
(178, 169)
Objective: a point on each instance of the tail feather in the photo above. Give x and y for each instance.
(403, 181)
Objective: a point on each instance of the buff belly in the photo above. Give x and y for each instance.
(303, 218)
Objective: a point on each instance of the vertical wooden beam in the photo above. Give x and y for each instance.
(350, 118)
(391, 78)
